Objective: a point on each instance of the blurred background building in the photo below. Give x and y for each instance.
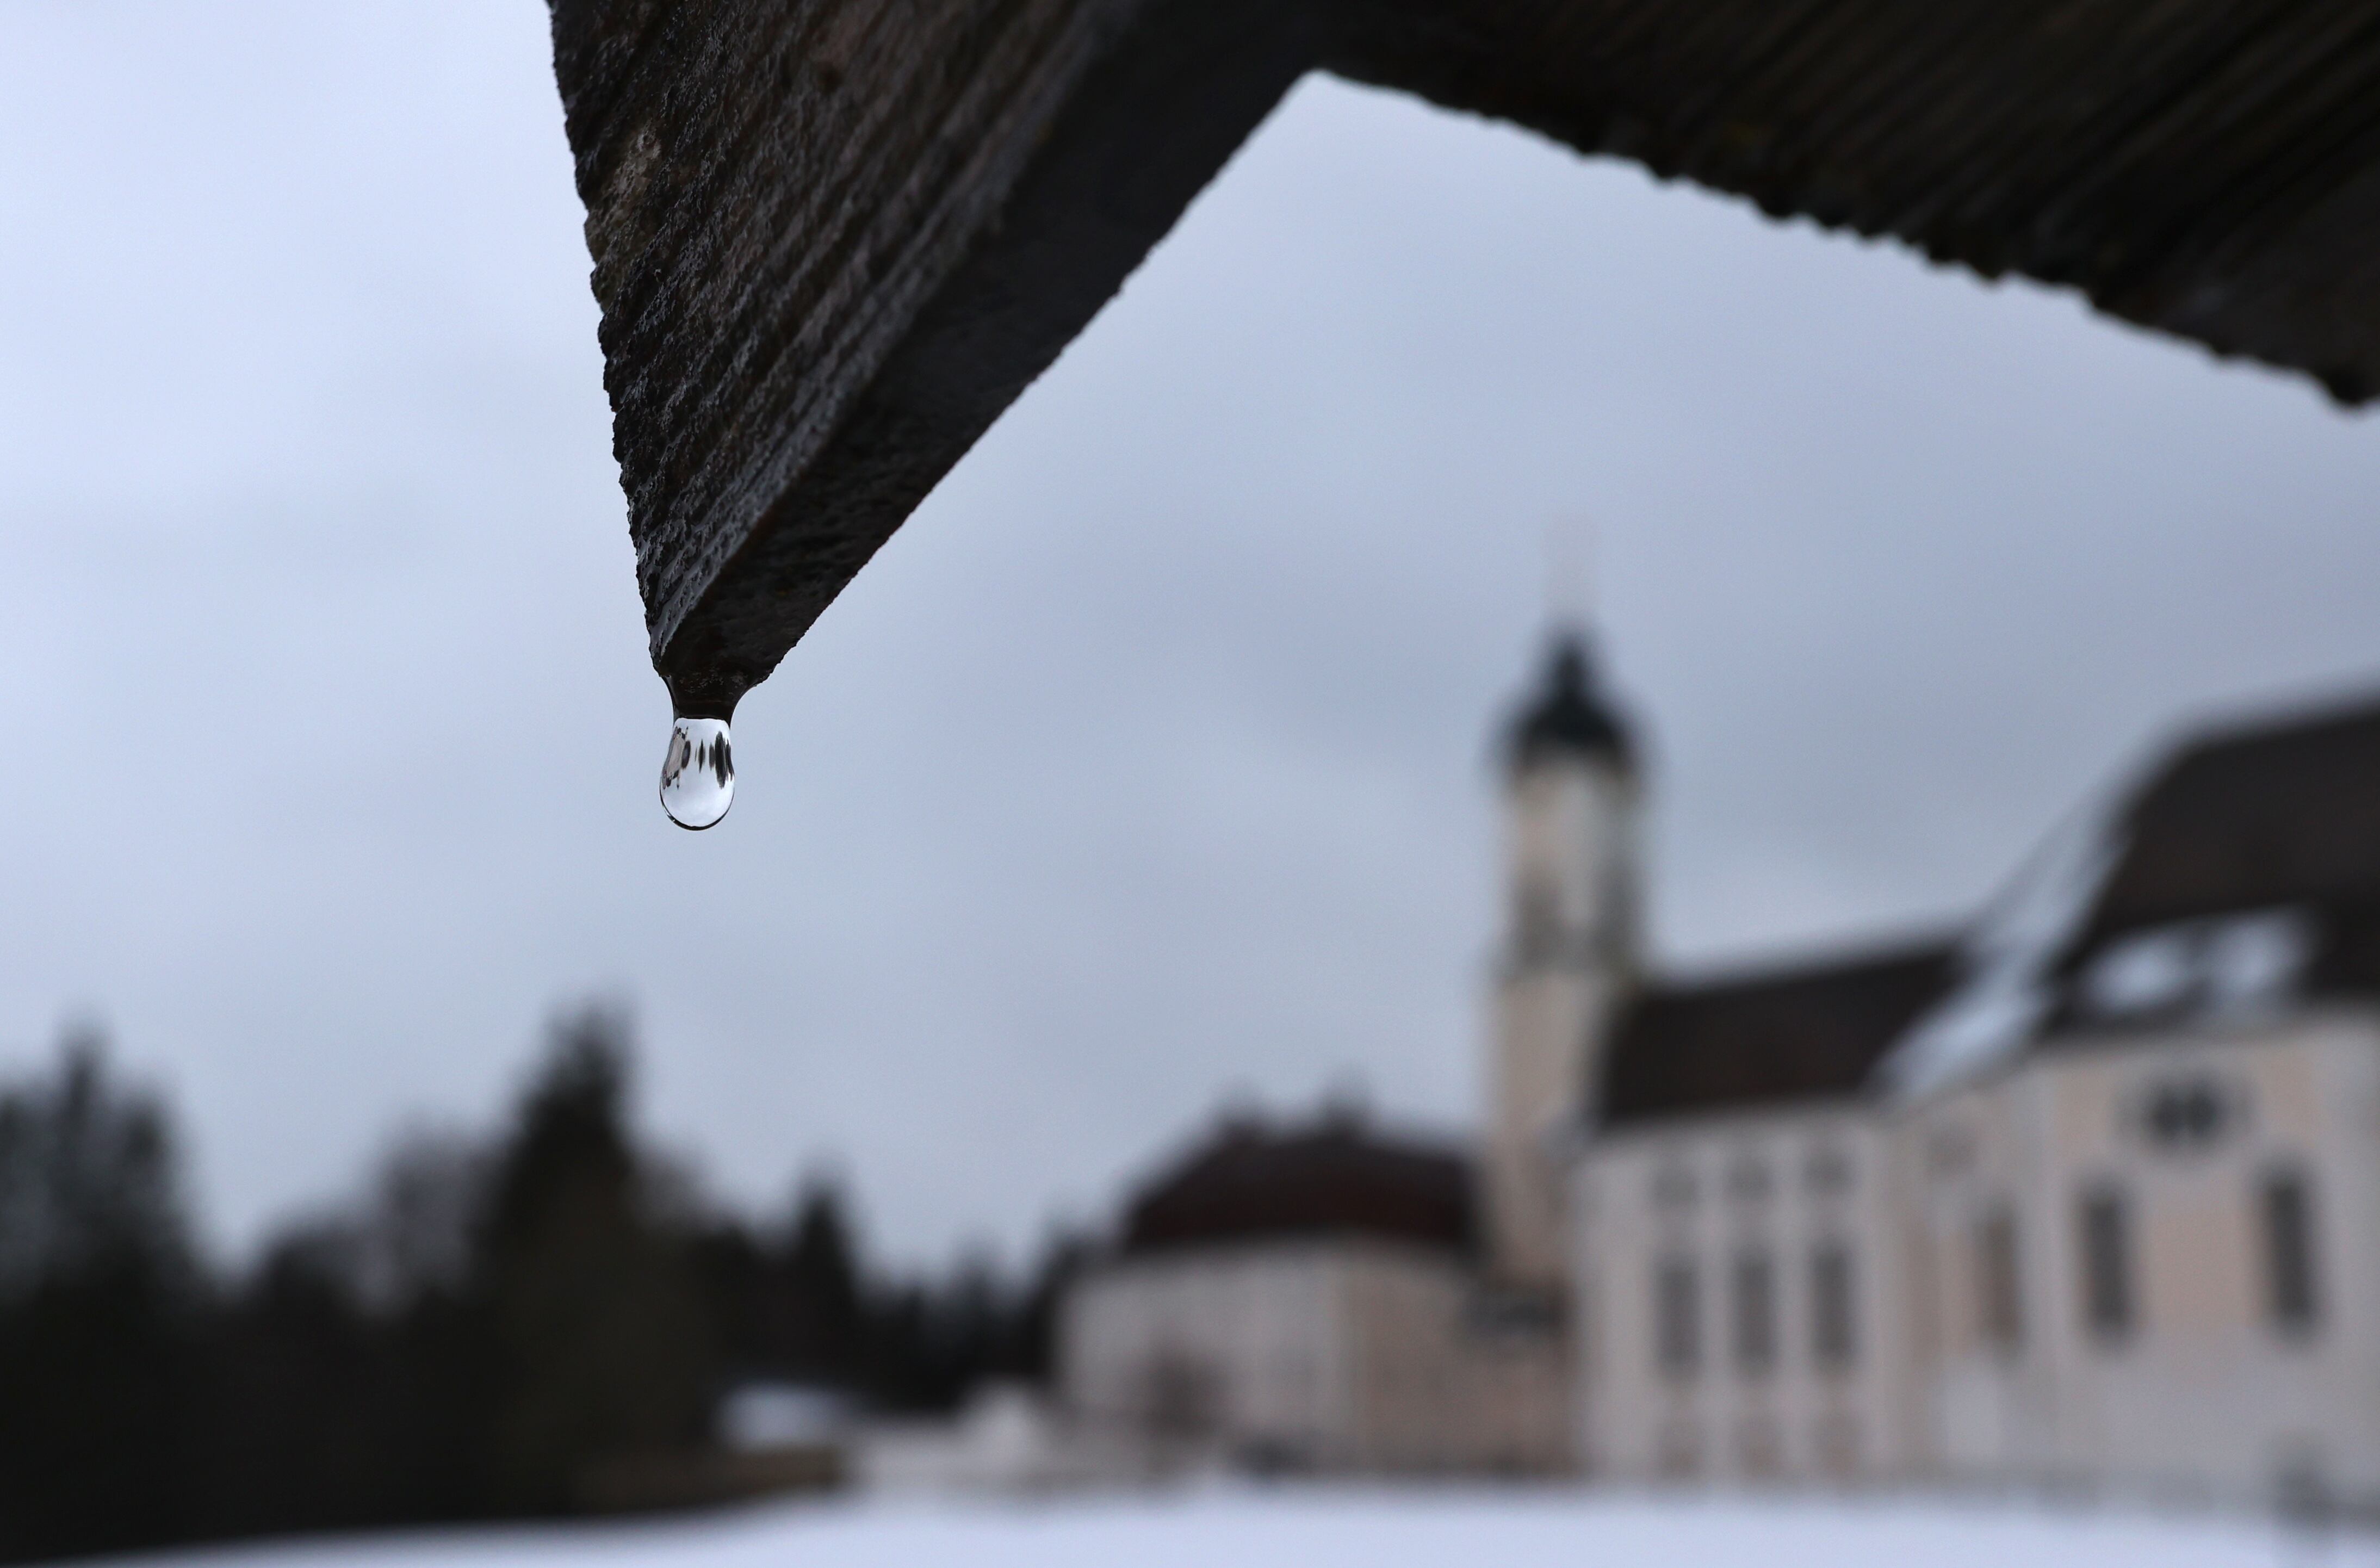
(2080, 1195)
(1311, 1298)
(2084, 1195)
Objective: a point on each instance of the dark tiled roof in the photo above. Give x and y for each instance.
(2279, 813)
(1568, 712)
(1330, 1177)
(1805, 1033)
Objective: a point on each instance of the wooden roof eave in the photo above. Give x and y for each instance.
(833, 239)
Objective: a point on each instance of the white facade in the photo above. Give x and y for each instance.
(2090, 1201)
(1739, 1314)
(2217, 1337)
(1326, 1353)
(2121, 1232)
(2240, 1362)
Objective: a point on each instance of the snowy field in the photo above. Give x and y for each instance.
(1317, 1528)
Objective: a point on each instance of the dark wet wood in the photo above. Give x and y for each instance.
(833, 239)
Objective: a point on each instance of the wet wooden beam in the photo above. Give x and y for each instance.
(833, 239)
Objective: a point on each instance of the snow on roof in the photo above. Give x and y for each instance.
(2006, 964)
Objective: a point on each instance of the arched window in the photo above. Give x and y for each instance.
(2285, 1208)
(1677, 1318)
(1755, 1312)
(1834, 1322)
(2110, 1309)
(1999, 1288)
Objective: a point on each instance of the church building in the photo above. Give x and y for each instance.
(2086, 1195)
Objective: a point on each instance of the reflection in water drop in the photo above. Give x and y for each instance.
(698, 774)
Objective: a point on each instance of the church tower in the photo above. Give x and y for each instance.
(1570, 948)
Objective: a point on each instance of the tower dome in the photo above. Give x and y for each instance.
(1569, 714)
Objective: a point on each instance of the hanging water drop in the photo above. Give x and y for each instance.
(699, 773)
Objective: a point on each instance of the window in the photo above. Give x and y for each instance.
(1949, 1151)
(2107, 1304)
(1673, 1188)
(1755, 1312)
(2188, 1115)
(1677, 1318)
(1999, 1290)
(2255, 960)
(2143, 973)
(2287, 1209)
(1536, 910)
(2237, 962)
(1834, 1338)
(1828, 1170)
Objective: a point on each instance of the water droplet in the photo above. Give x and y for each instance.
(698, 774)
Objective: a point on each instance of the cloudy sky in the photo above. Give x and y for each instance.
(1147, 764)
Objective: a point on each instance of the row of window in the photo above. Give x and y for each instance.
(2111, 1295)
(1826, 1172)
(1752, 1311)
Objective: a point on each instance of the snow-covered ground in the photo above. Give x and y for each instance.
(1319, 1529)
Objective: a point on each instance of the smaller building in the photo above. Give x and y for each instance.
(1329, 1298)
(1310, 1298)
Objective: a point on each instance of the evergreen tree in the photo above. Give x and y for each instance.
(521, 1326)
(597, 1326)
(822, 1275)
(98, 1303)
(349, 1371)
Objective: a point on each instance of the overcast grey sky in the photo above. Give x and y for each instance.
(1147, 764)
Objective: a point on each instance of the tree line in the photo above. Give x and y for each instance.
(490, 1324)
